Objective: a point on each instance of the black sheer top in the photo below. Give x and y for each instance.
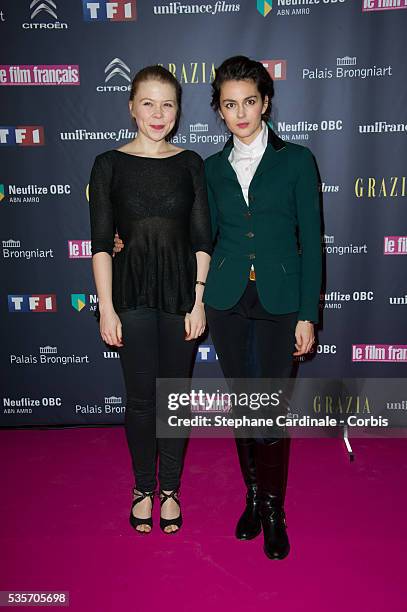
(160, 210)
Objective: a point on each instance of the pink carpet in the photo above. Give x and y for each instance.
(64, 526)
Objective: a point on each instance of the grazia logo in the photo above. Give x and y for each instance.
(264, 7)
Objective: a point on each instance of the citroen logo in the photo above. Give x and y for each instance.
(44, 6)
(117, 67)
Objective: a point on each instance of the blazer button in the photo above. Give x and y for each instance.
(252, 256)
(247, 214)
(250, 235)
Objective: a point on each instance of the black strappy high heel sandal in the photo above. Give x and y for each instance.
(174, 521)
(134, 520)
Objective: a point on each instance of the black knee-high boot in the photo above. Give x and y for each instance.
(271, 467)
(249, 525)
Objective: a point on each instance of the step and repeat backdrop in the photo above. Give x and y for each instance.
(65, 74)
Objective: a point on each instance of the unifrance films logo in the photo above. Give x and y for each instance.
(386, 353)
(41, 302)
(383, 5)
(121, 10)
(382, 127)
(198, 8)
(44, 74)
(22, 136)
(395, 245)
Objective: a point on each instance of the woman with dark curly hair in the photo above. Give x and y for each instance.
(261, 295)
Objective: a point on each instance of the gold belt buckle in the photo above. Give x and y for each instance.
(252, 275)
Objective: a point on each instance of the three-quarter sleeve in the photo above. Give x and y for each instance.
(102, 222)
(200, 223)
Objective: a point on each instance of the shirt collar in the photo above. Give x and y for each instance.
(255, 148)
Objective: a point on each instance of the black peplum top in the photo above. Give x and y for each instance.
(160, 210)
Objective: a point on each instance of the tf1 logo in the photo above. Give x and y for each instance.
(23, 136)
(32, 303)
(121, 10)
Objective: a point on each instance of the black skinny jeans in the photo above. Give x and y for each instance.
(251, 342)
(248, 331)
(154, 347)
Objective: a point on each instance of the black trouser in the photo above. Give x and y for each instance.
(251, 342)
(154, 347)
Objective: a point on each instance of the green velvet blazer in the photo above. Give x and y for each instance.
(279, 232)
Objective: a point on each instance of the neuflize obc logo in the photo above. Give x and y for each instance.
(121, 10)
(264, 7)
(78, 301)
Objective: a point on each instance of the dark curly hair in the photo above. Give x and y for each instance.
(239, 68)
(159, 73)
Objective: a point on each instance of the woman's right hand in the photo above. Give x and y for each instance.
(118, 244)
(111, 328)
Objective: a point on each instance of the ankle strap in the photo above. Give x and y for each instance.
(164, 496)
(143, 494)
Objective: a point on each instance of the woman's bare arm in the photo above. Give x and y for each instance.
(110, 325)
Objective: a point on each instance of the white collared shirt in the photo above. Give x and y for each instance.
(245, 158)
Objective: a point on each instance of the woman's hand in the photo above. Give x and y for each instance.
(118, 244)
(111, 328)
(195, 322)
(304, 335)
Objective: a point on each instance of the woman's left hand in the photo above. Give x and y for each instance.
(195, 322)
(304, 336)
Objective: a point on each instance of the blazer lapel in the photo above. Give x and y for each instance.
(226, 167)
(273, 154)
